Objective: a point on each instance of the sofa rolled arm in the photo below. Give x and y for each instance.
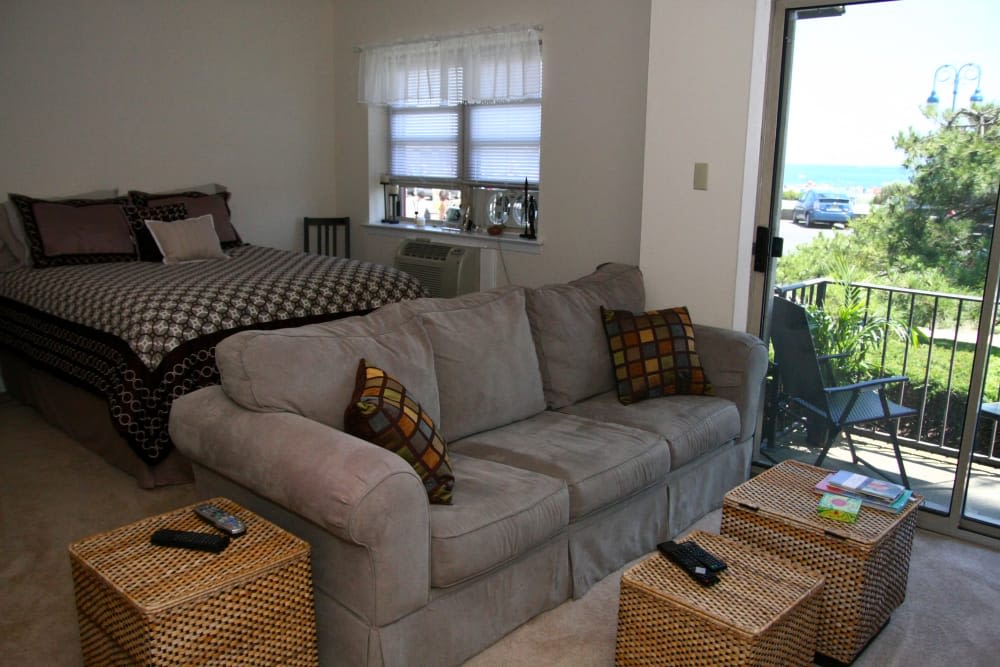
(736, 364)
(360, 493)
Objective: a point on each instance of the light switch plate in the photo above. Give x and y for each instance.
(701, 176)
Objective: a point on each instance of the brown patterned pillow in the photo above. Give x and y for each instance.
(137, 217)
(75, 231)
(382, 412)
(654, 354)
(198, 204)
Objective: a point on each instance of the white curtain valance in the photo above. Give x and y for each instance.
(495, 66)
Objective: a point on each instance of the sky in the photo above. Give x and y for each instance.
(860, 78)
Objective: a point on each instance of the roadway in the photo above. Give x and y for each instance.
(795, 234)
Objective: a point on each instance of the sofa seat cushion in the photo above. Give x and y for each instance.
(601, 463)
(497, 514)
(691, 425)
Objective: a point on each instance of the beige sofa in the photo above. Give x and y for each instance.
(557, 483)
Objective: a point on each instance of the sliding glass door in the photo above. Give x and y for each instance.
(880, 172)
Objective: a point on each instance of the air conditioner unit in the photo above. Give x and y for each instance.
(445, 270)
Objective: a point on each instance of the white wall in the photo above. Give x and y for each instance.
(594, 106)
(156, 94)
(695, 245)
(261, 96)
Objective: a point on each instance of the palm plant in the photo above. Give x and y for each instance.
(848, 331)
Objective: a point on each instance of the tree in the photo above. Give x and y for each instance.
(945, 216)
(938, 225)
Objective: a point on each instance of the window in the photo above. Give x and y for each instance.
(464, 116)
(461, 148)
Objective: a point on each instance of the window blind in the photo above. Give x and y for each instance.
(424, 142)
(504, 143)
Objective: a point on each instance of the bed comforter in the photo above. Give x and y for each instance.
(140, 334)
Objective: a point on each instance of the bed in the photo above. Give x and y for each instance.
(102, 348)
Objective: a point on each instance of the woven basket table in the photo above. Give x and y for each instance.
(865, 564)
(140, 604)
(762, 611)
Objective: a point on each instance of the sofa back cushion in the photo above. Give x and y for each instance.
(484, 359)
(311, 370)
(569, 333)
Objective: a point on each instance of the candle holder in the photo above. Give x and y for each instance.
(529, 209)
(390, 201)
(530, 214)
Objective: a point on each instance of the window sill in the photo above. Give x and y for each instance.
(508, 241)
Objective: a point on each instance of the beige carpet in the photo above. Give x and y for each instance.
(53, 492)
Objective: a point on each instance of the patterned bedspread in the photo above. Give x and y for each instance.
(141, 334)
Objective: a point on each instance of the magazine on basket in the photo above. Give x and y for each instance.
(862, 485)
(895, 507)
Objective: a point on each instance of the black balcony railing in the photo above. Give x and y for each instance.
(938, 363)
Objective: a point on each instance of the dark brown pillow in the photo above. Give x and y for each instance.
(198, 204)
(654, 354)
(382, 412)
(137, 217)
(75, 231)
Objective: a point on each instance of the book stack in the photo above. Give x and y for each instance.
(875, 493)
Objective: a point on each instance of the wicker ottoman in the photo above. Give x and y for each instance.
(251, 604)
(865, 564)
(762, 611)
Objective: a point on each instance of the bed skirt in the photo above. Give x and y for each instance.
(85, 418)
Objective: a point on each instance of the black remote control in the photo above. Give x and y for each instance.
(187, 539)
(713, 563)
(687, 562)
(221, 519)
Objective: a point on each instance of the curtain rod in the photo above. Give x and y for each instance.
(438, 38)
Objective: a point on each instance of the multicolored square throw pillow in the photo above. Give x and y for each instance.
(654, 354)
(382, 412)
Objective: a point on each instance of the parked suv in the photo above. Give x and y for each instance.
(822, 206)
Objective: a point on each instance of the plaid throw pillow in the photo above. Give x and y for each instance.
(382, 412)
(654, 354)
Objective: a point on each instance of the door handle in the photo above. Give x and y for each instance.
(772, 247)
(764, 246)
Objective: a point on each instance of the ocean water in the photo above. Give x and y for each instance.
(799, 176)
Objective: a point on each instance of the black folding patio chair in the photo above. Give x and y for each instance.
(833, 409)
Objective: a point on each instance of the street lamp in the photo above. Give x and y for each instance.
(972, 72)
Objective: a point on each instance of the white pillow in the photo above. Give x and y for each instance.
(190, 240)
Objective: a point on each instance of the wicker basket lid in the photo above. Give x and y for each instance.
(756, 591)
(787, 491)
(153, 577)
